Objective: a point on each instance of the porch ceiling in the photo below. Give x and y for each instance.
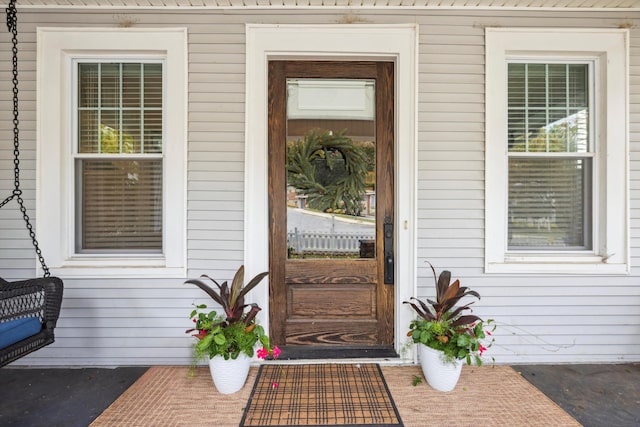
(629, 5)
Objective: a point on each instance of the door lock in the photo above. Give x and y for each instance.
(388, 251)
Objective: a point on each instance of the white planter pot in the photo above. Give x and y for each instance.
(441, 375)
(230, 375)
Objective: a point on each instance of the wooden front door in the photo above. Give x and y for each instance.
(331, 183)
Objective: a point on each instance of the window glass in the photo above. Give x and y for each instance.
(118, 167)
(548, 203)
(550, 158)
(331, 168)
(548, 107)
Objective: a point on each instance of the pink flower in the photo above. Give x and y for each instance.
(276, 352)
(274, 385)
(262, 353)
(482, 349)
(488, 333)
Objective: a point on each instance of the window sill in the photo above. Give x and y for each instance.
(119, 273)
(94, 267)
(589, 265)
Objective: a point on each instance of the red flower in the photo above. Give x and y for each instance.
(276, 352)
(274, 385)
(482, 349)
(262, 353)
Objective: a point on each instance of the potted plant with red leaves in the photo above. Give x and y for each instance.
(228, 340)
(446, 334)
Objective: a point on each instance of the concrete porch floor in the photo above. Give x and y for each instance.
(595, 395)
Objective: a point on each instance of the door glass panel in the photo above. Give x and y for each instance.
(331, 168)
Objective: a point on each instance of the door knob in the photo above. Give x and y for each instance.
(388, 251)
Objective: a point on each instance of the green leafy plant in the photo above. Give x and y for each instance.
(233, 332)
(416, 380)
(442, 324)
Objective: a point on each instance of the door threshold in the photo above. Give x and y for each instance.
(381, 362)
(306, 352)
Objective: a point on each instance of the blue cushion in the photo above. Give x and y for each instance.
(16, 330)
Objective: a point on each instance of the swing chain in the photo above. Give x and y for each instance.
(12, 22)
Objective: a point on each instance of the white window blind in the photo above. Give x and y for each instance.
(118, 163)
(550, 154)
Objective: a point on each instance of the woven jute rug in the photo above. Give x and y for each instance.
(485, 396)
(320, 395)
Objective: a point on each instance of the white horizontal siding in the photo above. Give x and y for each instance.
(142, 321)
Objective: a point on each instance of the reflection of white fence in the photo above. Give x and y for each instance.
(320, 241)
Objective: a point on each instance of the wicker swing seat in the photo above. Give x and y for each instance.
(28, 307)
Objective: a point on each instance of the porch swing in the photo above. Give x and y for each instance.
(29, 309)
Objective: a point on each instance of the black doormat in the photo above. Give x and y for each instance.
(319, 352)
(320, 395)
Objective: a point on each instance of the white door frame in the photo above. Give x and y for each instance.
(339, 42)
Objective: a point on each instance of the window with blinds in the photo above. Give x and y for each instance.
(550, 157)
(118, 159)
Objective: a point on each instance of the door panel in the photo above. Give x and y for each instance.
(330, 193)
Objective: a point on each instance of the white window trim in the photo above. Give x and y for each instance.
(348, 42)
(608, 48)
(57, 48)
